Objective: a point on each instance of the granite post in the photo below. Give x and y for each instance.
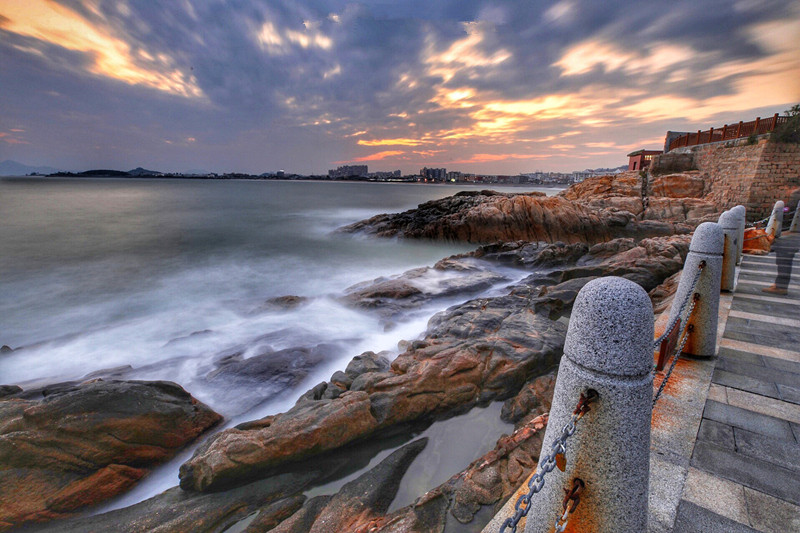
(729, 223)
(741, 217)
(775, 223)
(609, 348)
(707, 245)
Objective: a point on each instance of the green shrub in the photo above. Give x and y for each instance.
(789, 131)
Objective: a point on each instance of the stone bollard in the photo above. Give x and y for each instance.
(741, 218)
(795, 219)
(729, 223)
(775, 223)
(707, 245)
(609, 348)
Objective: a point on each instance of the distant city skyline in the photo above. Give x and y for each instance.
(480, 87)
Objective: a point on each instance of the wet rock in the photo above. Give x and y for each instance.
(367, 362)
(487, 483)
(177, 511)
(482, 350)
(9, 390)
(535, 397)
(273, 514)
(303, 520)
(193, 335)
(392, 297)
(290, 365)
(6, 349)
(360, 500)
(83, 444)
(307, 429)
(281, 303)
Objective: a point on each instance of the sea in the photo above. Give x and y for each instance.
(159, 279)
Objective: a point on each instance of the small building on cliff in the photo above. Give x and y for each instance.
(640, 159)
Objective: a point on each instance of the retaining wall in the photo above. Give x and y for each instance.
(754, 175)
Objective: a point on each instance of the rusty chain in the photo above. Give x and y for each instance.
(668, 329)
(571, 500)
(557, 452)
(685, 332)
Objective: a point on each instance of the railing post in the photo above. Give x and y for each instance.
(711, 135)
(738, 129)
(741, 214)
(774, 122)
(609, 348)
(795, 219)
(729, 222)
(775, 223)
(707, 245)
(724, 131)
(755, 126)
(697, 141)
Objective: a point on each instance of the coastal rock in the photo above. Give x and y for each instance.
(6, 349)
(490, 217)
(486, 483)
(414, 288)
(482, 350)
(625, 184)
(178, 511)
(681, 185)
(9, 390)
(83, 444)
(690, 210)
(362, 499)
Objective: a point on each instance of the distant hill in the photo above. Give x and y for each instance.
(14, 168)
(139, 171)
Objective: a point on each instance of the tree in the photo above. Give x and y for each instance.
(789, 131)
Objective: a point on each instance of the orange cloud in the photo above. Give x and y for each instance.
(488, 158)
(53, 23)
(391, 142)
(375, 157)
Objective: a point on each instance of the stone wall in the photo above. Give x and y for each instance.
(754, 175)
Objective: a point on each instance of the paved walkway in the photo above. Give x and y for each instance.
(744, 473)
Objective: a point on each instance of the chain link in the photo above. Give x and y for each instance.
(685, 331)
(674, 320)
(571, 496)
(559, 446)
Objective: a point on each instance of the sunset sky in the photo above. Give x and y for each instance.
(497, 86)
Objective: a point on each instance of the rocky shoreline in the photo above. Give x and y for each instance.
(94, 439)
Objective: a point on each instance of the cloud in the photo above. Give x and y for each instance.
(375, 157)
(460, 82)
(51, 23)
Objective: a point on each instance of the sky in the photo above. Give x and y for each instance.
(499, 87)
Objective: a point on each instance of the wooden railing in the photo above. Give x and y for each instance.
(729, 131)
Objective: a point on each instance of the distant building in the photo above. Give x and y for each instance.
(454, 175)
(347, 171)
(641, 159)
(435, 174)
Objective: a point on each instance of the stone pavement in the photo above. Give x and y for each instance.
(744, 473)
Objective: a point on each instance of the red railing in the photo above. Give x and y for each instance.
(729, 131)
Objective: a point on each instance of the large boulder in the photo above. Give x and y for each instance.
(83, 444)
(488, 216)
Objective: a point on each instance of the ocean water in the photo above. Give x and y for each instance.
(161, 279)
(167, 275)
